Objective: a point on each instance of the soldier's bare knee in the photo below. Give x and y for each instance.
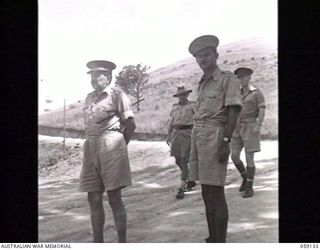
(114, 198)
(250, 159)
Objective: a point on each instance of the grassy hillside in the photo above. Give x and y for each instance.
(257, 54)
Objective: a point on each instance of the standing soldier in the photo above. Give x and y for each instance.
(217, 108)
(109, 127)
(179, 136)
(247, 131)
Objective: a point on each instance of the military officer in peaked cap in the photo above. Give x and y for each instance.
(109, 125)
(218, 105)
(179, 136)
(247, 131)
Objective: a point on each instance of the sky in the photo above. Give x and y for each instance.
(153, 32)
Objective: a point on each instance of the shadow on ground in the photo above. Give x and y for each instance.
(154, 215)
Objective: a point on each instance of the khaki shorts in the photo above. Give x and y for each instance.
(204, 163)
(243, 136)
(105, 163)
(181, 143)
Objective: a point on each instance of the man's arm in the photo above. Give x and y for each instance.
(130, 127)
(261, 115)
(233, 103)
(262, 112)
(232, 117)
(84, 110)
(169, 131)
(262, 109)
(126, 114)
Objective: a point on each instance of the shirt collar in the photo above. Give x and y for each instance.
(107, 91)
(215, 75)
(250, 87)
(183, 103)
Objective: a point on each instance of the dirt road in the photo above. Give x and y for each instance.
(154, 214)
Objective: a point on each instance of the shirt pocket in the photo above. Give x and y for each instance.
(175, 113)
(103, 111)
(250, 106)
(107, 107)
(187, 115)
(212, 102)
(189, 109)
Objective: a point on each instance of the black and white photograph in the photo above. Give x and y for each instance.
(158, 121)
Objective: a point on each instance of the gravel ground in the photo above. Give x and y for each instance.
(154, 215)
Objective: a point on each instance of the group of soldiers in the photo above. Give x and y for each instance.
(227, 114)
(246, 133)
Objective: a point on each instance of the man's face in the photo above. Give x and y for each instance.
(100, 80)
(207, 58)
(244, 80)
(183, 97)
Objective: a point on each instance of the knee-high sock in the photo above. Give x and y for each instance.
(241, 168)
(216, 212)
(221, 213)
(209, 208)
(250, 173)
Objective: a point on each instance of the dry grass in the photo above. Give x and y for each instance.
(158, 93)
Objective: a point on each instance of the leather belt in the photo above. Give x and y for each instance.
(209, 123)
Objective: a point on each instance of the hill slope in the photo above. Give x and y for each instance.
(258, 54)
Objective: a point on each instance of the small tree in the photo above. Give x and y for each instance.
(132, 80)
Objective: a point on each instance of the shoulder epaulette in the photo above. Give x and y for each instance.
(228, 73)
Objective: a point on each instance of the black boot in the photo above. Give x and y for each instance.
(242, 171)
(190, 185)
(180, 194)
(249, 186)
(249, 190)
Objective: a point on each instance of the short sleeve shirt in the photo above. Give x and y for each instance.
(253, 100)
(106, 111)
(182, 114)
(214, 94)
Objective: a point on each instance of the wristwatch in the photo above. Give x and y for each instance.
(226, 139)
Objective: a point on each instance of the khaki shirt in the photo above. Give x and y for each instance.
(214, 94)
(106, 111)
(252, 101)
(182, 114)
